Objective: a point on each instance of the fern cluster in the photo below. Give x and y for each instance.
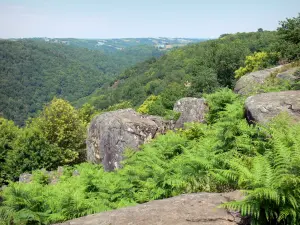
(223, 155)
(271, 180)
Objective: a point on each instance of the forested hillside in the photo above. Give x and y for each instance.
(188, 71)
(32, 72)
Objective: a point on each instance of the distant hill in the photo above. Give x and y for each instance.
(33, 71)
(119, 44)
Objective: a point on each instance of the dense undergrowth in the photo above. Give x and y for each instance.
(224, 154)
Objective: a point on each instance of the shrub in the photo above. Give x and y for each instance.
(152, 106)
(86, 113)
(56, 137)
(121, 105)
(257, 61)
(32, 151)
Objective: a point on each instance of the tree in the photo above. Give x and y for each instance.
(61, 125)
(223, 35)
(289, 29)
(56, 137)
(33, 151)
(154, 87)
(260, 30)
(289, 33)
(152, 106)
(172, 93)
(8, 134)
(204, 80)
(257, 61)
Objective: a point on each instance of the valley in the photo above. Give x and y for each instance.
(151, 130)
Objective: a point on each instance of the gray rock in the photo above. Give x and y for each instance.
(60, 171)
(288, 75)
(188, 209)
(3, 187)
(163, 125)
(109, 134)
(191, 109)
(53, 176)
(25, 178)
(263, 107)
(75, 173)
(248, 83)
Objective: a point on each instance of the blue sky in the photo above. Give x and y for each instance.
(140, 18)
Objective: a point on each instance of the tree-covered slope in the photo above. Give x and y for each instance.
(32, 72)
(187, 71)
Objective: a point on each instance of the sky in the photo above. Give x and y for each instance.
(140, 18)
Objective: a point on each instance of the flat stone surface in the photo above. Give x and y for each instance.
(188, 209)
(247, 83)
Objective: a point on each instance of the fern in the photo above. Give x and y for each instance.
(272, 181)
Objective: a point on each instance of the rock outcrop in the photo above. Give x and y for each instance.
(111, 133)
(247, 83)
(188, 209)
(191, 109)
(263, 107)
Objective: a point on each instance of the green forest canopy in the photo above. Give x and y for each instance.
(33, 71)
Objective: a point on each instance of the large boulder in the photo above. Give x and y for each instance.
(263, 107)
(248, 83)
(191, 110)
(188, 209)
(109, 134)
